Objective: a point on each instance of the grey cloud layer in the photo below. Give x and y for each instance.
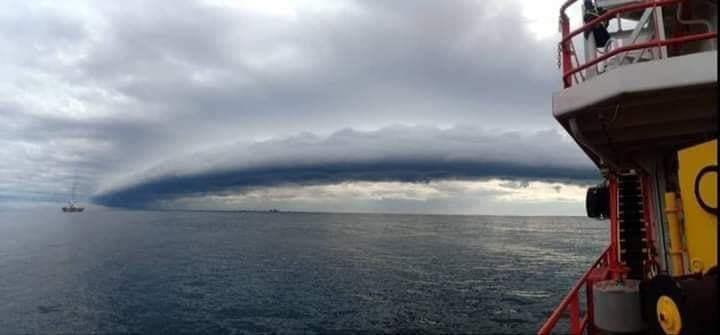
(108, 89)
(408, 154)
(383, 62)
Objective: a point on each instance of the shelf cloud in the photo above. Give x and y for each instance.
(149, 102)
(392, 154)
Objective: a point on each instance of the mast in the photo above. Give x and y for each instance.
(72, 194)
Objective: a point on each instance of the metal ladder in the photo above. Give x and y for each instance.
(631, 222)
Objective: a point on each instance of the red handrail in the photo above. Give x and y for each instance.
(577, 324)
(567, 66)
(611, 13)
(649, 44)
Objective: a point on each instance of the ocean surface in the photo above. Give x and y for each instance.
(134, 272)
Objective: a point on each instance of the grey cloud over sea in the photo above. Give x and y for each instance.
(126, 95)
(407, 154)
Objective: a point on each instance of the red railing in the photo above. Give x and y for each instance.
(571, 303)
(567, 51)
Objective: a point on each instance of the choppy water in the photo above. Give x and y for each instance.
(228, 273)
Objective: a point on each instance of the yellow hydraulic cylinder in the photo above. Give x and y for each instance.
(673, 218)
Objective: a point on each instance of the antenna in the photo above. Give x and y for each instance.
(72, 196)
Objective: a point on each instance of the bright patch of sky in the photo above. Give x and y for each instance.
(503, 197)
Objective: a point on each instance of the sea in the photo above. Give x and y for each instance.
(108, 271)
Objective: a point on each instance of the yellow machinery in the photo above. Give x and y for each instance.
(685, 301)
(675, 232)
(697, 176)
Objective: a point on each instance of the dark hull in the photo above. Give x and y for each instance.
(72, 209)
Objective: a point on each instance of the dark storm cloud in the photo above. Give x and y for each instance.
(110, 90)
(168, 188)
(406, 154)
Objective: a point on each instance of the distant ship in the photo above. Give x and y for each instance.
(71, 206)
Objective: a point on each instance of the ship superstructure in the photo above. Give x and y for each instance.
(72, 207)
(640, 98)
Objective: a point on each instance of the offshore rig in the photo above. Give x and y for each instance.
(640, 98)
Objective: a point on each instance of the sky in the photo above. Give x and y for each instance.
(319, 105)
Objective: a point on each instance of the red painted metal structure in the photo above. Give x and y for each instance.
(566, 48)
(571, 303)
(608, 265)
(650, 44)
